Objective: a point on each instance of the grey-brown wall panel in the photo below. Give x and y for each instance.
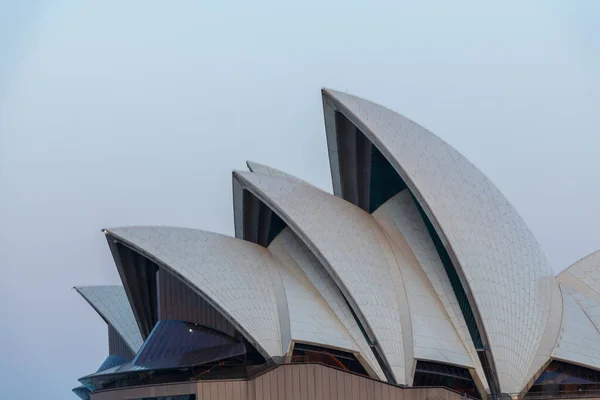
(147, 391)
(289, 382)
(179, 302)
(234, 390)
(117, 346)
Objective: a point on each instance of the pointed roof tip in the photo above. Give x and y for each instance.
(81, 289)
(237, 173)
(258, 168)
(254, 166)
(112, 305)
(96, 286)
(343, 97)
(329, 92)
(262, 169)
(114, 231)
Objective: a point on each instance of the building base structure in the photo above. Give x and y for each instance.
(284, 382)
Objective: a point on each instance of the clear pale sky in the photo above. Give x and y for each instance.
(120, 113)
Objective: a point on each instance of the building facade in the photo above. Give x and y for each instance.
(415, 278)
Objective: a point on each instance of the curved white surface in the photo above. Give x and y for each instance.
(503, 266)
(549, 340)
(584, 276)
(435, 337)
(274, 172)
(238, 278)
(582, 282)
(349, 243)
(111, 303)
(318, 312)
(579, 339)
(311, 319)
(402, 212)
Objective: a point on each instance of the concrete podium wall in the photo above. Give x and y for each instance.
(287, 382)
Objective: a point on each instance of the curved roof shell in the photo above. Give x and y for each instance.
(439, 330)
(584, 276)
(359, 255)
(261, 291)
(111, 303)
(234, 276)
(504, 271)
(320, 315)
(352, 247)
(579, 340)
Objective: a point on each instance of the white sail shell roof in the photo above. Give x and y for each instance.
(579, 339)
(323, 317)
(584, 276)
(436, 334)
(504, 268)
(271, 301)
(351, 245)
(238, 278)
(113, 306)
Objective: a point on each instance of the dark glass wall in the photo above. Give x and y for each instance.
(261, 224)
(305, 353)
(367, 178)
(561, 379)
(437, 374)
(385, 181)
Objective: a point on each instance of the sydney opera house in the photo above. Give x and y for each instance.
(416, 279)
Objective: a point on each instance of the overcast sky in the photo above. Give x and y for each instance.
(120, 113)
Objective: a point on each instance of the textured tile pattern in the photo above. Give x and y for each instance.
(113, 306)
(351, 245)
(270, 171)
(579, 339)
(311, 319)
(548, 342)
(505, 268)
(402, 212)
(584, 276)
(435, 335)
(326, 319)
(581, 282)
(241, 278)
